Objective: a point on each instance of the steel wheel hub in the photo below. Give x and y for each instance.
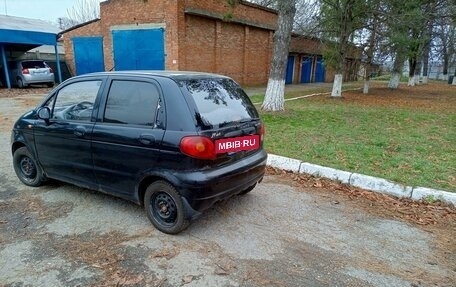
(164, 207)
(28, 167)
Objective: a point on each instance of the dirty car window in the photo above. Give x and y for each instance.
(220, 101)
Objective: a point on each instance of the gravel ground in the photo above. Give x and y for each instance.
(284, 233)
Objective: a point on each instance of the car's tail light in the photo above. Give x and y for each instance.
(25, 71)
(262, 132)
(50, 70)
(198, 147)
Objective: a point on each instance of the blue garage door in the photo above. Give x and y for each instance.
(306, 70)
(290, 69)
(141, 49)
(88, 54)
(319, 70)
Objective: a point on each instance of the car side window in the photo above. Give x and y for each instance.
(132, 102)
(75, 101)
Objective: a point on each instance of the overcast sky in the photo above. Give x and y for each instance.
(48, 10)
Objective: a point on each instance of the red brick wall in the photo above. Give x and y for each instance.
(305, 45)
(199, 46)
(229, 48)
(258, 56)
(192, 42)
(234, 50)
(243, 11)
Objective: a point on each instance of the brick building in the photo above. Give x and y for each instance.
(194, 35)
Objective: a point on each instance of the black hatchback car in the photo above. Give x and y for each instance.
(175, 142)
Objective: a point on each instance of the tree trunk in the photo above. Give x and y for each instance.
(370, 51)
(337, 86)
(426, 52)
(412, 68)
(274, 97)
(418, 73)
(425, 66)
(411, 81)
(367, 72)
(445, 65)
(366, 86)
(394, 81)
(339, 76)
(397, 69)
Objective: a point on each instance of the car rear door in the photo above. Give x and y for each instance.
(128, 134)
(63, 143)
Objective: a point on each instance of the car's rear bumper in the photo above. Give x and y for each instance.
(202, 189)
(35, 79)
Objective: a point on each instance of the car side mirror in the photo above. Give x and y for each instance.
(44, 113)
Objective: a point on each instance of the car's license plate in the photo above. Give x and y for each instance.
(237, 144)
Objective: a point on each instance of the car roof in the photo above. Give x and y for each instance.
(176, 75)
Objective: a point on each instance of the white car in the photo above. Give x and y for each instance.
(25, 72)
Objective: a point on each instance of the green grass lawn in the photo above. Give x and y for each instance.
(407, 136)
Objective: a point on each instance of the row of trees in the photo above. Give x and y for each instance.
(394, 31)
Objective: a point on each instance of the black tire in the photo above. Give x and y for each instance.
(20, 83)
(164, 208)
(50, 85)
(247, 190)
(26, 168)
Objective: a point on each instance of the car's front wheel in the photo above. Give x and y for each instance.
(26, 168)
(165, 208)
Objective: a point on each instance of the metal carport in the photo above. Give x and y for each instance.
(19, 34)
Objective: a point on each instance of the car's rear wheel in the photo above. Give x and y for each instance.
(20, 83)
(50, 85)
(26, 168)
(165, 208)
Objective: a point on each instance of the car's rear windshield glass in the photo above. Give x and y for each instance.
(33, 64)
(220, 101)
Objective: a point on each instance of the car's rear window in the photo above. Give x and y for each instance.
(220, 101)
(33, 64)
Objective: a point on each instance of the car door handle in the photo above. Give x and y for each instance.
(79, 131)
(146, 139)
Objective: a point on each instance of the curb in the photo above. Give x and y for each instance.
(367, 182)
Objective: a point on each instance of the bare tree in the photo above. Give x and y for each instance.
(66, 23)
(444, 40)
(83, 11)
(275, 91)
(306, 16)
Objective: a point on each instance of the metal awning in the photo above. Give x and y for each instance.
(19, 34)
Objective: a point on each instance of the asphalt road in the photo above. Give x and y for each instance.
(278, 235)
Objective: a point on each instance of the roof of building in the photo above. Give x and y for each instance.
(18, 30)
